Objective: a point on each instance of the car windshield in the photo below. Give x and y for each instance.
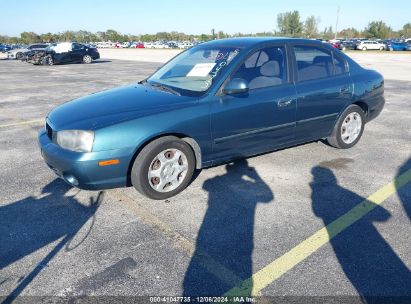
(194, 71)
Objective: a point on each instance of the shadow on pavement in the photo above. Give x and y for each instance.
(226, 234)
(32, 223)
(369, 262)
(404, 193)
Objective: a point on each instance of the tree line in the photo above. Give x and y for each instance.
(289, 24)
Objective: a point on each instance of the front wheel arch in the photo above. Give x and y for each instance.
(189, 140)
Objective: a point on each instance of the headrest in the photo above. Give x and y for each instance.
(270, 69)
(322, 60)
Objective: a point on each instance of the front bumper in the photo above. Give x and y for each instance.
(82, 170)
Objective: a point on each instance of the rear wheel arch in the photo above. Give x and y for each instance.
(187, 139)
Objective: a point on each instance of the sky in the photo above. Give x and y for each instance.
(191, 17)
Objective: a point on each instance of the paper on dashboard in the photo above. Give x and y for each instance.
(201, 70)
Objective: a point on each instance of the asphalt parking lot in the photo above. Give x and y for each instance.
(254, 226)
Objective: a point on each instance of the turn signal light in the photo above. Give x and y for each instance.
(108, 162)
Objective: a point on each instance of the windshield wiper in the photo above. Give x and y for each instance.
(164, 88)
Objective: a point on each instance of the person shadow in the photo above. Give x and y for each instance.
(224, 245)
(30, 224)
(404, 192)
(367, 259)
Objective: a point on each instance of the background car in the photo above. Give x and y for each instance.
(398, 46)
(370, 45)
(66, 52)
(20, 53)
(137, 45)
(5, 48)
(347, 45)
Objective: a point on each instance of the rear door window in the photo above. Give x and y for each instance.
(313, 62)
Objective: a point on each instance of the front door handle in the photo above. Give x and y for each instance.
(284, 103)
(345, 90)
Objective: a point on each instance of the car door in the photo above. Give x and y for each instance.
(262, 118)
(324, 88)
(77, 53)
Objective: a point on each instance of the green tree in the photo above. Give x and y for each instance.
(311, 27)
(328, 33)
(406, 30)
(289, 24)
(113, 36)
(213, 35)
(349, 33)
(67, 36)
(378, 29)
(29, 37)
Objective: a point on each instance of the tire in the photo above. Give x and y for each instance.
(364, 48)
(19, 56)
(48, 60)
(168, 176)
(344, 48)
(87, 59)
(381, 48)
(348, 128)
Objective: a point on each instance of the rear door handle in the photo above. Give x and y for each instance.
(284, 103)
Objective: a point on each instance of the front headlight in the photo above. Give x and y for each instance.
(76, 140)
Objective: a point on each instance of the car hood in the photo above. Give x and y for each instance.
(113, 106)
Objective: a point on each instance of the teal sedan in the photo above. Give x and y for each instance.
(213, 103)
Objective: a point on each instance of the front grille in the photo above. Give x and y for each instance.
(49, 131)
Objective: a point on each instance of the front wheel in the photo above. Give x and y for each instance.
(364, 48)
(163, 168)
(382, 48)
(348, 129)
(87, 59)
(48, 60)
(19, 56)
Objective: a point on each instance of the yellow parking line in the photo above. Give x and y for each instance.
(26, 122)
(296, 255)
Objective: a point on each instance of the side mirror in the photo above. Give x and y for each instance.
(236, 86)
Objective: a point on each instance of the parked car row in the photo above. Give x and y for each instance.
(56, 53)
(365, 45)
(148, 45)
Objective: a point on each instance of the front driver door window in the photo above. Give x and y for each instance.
(264, 117)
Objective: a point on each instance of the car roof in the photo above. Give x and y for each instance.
(249, 42)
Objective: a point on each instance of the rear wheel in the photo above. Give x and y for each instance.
(163, 168)
(19, 56)
(381, 48)
(87, 59)
(348, 129)
(364, 48)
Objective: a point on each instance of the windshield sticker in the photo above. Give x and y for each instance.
(226, 60)
(201, 70)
